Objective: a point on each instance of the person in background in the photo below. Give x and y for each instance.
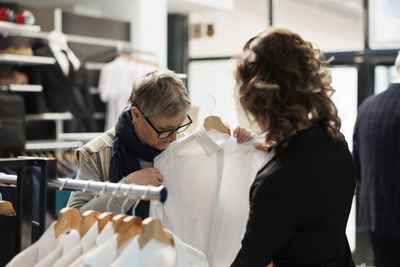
(376, 151)
(301, 199)
(158, 109)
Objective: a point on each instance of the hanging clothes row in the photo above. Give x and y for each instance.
(64, 84)
(108, 239)
(116, 81)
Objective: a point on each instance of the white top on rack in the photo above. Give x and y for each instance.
(50, 116)
(51, 144)
(14, 29)
(26, 60)
(80, 136)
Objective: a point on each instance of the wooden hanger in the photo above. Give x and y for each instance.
(69, 218)
(89, 218)
(140, 61)
(131, 227)
(6, 207)
(152, 228)
(118, 221)
(103, 219)
(214, 122)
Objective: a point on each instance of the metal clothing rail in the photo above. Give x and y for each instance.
(106, 188)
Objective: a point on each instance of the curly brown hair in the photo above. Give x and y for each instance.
(283, 81)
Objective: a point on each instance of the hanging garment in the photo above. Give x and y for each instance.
(38, 251)
(62, 90)
(157, 254)
(154, 254)
(86, 242)
(115, 85)
(208, 176)
(67, 241)
(107, 233)
(103, 255)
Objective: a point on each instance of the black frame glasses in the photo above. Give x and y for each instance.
(168, 133)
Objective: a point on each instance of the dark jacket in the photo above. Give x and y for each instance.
(376, 150)
(299, 205)
(60, 93)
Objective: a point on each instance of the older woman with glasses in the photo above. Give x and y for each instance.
(158, 109)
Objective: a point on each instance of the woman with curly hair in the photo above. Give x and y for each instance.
(301, 199)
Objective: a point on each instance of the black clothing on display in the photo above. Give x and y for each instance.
(60, 93)
(126, 152)
(299, 205)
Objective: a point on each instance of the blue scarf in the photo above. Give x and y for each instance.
(126, 152)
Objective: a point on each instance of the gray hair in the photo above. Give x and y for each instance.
(159, 94)
(397, 63)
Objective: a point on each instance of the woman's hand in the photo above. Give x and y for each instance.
(242, 135)
(262, 147)
(146, 176)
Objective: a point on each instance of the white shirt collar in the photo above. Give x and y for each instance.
(105, 234)
(208, 144)
(89, 239)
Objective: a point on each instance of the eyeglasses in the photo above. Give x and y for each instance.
(168, 133)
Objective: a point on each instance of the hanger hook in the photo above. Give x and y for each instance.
(63, 184)
(104, 188)
(111, 198)
(137, 202)
(209, 102)
(86, 186)
(126, 200)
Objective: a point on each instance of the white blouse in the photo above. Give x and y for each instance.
(208, 177)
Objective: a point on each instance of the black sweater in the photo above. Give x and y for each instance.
(299, 205)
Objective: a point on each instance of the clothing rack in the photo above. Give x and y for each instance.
(27, 231)
(106, 188)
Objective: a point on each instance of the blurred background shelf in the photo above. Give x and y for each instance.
(26, 60)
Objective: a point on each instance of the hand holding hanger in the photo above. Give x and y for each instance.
(242, 135)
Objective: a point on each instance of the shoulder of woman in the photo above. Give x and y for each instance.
(97, 146)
